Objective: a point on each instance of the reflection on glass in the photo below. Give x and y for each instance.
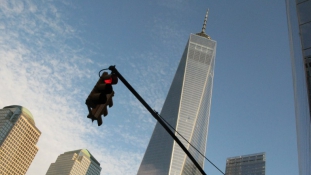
(306, 35)
(304, 10)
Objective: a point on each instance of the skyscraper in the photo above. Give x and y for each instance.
(78, 162)
(18, 138)
(299, 25)
(246, 165)
(187, 109)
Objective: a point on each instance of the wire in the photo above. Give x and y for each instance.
(102, 70)
(189, 143)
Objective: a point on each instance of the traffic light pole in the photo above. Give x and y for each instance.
(156, 116)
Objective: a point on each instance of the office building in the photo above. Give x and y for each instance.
(78, 162)
(18, 138)
(252, 164)
(299, 26)
(187, 109)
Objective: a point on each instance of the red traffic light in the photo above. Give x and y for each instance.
(113, 79)
(101, 97)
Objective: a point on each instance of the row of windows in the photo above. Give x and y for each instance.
(246, 161)
(9, 166)
(26, 129)
(258, 157)
(308, 65)
(19, 135)
(193, 88)
(24, 151)
(17, 151)
(81, 165)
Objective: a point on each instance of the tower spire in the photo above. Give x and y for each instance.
(202, 33)
(205, 20)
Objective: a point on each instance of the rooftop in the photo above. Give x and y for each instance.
(25, 112)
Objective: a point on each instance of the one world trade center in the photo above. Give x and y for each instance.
(187, 109)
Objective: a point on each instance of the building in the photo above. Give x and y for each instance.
(187, 109)
(18, 138)
(299, 26)
(252, 164)
(78, 162)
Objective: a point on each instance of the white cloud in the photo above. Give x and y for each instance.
(42, 73)
(11, 7)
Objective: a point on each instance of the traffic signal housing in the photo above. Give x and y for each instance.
(101, 97)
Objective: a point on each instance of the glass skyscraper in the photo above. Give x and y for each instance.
(299, 25)
(187, 109)
(78, 162)
(18, 138)
(252, 164)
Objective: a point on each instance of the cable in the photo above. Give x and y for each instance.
(189, 143)
(102, 70)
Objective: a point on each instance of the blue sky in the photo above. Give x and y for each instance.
(51, 52)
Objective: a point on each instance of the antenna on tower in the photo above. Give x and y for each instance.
(205, 20)
(202, 33)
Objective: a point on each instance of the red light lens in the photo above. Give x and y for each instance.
(108, 81)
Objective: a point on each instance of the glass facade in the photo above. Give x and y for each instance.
(186, 108)
(299, 25)
(253, 164)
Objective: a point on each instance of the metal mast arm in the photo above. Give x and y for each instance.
(155, 115)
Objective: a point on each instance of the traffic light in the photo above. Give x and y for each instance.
(101, 97)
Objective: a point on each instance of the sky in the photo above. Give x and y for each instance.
(51, 53)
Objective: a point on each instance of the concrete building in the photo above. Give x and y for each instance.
(252, 164)
(299, 26)
(187, 109)
(78, 162)
(18, 138)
